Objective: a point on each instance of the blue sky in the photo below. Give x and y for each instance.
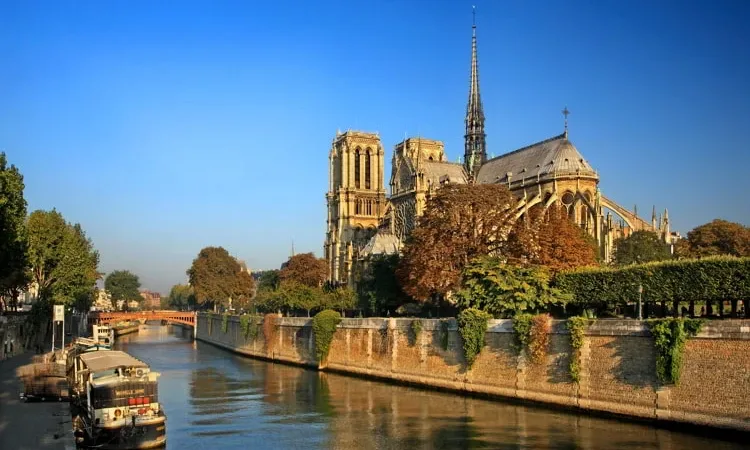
(164, 127)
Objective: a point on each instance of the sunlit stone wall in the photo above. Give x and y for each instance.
(617, 365)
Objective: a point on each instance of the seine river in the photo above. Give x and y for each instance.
(217, 400)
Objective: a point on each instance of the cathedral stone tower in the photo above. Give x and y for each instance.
(475, 149)
(356, 199)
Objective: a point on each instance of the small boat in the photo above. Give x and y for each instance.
(104, 335)
(115, 402)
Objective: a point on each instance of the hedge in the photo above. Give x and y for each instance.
(719, 278)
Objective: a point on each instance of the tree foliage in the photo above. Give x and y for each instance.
(550, 239)
(504, 290)
(216, 276)
(268, 279)
(718, 237)
(641, 247)
(304, 268)
(14, 275)
(460, 223)
(324, 327)
(472, 325)
(379, 290)
(62, 258)
(181, 297)
(123, 285)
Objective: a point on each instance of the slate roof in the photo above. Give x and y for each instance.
(383, 243)
(550, 158)
(435, 171)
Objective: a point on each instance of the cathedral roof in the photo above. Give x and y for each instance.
(437, 172)
(550, 158)
(383, 243)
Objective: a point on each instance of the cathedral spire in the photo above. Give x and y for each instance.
(475, 151)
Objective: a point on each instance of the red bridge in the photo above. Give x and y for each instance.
(184, 318)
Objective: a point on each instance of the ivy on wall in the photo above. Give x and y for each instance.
(532, 334)
(444, 334)
(225, 322)
(416, 329)
(577, 328)
(472, 324)
(249, 326)
(670, 336)
(324, 327)
(270, 330)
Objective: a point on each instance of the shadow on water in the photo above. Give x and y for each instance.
(216, 399)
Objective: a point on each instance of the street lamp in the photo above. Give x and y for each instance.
(640, 302)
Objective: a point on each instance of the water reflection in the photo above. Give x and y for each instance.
(215, 399)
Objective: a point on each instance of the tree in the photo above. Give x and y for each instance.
(63, 260)
(550, 239)
(641, 247)
(341, 298)
(489, 284)
(306, 269)
(14, 275)
(123, 286)
(216, 277)
(379, 290)
(718, 237)
(460, 223)
(180, 297)
(268, 279)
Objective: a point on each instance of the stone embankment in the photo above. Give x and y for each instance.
(617, 364)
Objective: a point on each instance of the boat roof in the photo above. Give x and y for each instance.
(109, 359)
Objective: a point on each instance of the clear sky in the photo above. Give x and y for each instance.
(163, 127)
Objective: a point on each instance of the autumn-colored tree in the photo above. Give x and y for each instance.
(460, 223)
(216, 277)
(550, 239)
(641, 247)
(304, 268)
(719, 237)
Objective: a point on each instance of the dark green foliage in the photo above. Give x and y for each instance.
(577, 328)
(718, 278)
(504, 290)
(268, 279)
(249, 326)
(181, 297)
(416, 328)
(324, 327)
(670, 336)
(378, 290)
(472, 324)
(123, 285)
(522, 330)
(14, 256)
(225, 322)
(641, 247)
(444, 334)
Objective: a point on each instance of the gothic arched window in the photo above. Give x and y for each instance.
(357, 168)
(367, 169)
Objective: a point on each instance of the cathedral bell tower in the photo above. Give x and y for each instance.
(475, 149)
(356, 200)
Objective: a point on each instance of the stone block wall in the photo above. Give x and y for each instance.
(618, 368)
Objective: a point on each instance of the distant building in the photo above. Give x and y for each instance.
(151, 300)
(103, 300)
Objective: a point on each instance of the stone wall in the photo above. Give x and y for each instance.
(618, 372)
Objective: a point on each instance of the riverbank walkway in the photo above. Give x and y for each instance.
(34, 425)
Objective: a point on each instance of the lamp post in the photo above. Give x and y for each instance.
(640, 302)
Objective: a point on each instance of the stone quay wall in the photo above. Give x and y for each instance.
(618, 368)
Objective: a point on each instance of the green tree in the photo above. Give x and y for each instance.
(180, 297)
(306, 269)
(14, 262)
(217, 277)
(641, 247)
(62, 258)
(268, 279)
(341, 298)
(379, 291)
(123, 285)
(719, 237)
(503, 290)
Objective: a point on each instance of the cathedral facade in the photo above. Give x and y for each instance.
(363, 222)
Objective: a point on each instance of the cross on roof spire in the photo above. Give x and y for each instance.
(565, 113)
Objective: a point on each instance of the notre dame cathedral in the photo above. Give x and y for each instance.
(363, 221)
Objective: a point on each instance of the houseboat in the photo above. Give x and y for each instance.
(115, 402)
(104, 335)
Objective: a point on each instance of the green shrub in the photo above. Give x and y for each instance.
(670, 336)
(577, 328)
(324, 327)
(249, 326)
(716, 278)
(472, 324)
(532, 334)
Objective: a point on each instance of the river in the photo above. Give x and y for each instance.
(218, 400)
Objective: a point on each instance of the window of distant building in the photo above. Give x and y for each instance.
(357, 168)
(367, 169)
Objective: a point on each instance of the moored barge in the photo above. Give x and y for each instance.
(115, 403)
